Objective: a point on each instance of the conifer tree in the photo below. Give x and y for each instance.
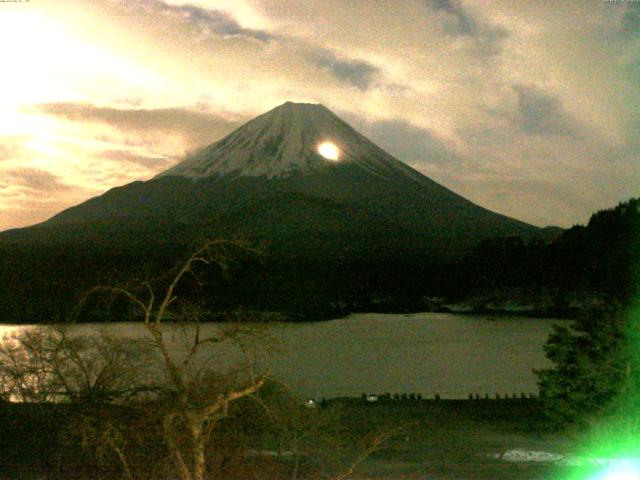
(596, 370)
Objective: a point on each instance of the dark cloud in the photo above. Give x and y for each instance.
(462, 24)
(33, 179)
(356, 72)
(197, 128)
(543, 114)
(126, 156)
(411, 144)
(208, 22)
(457, 21)
(631, 20)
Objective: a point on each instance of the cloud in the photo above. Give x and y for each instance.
(197, 128)
(212, 22)
(11, 147)
(413, 145)
(457, 21)
(543, 114)
(631, 20)
(463, 23)
(33, 179)
(125, 156)
(209, 22)
(358, 73)
(469, 91)
(513, 201)
(19, 208)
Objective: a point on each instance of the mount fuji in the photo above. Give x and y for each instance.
(249, 176)
(350, 214)
(283, 142)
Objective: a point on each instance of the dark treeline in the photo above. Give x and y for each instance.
(42, 282)
(600, 259)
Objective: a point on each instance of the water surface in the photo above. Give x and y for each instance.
(452, 355)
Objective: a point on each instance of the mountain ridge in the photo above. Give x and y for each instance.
(247, 155)
(338, 232)
(280, 142)
(284, 141)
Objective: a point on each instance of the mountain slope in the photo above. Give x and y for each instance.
(277, 153)
(283, 142)
(327, 221)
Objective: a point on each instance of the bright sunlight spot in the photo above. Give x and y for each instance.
(329, 151)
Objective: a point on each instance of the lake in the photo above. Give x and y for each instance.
(428, 353)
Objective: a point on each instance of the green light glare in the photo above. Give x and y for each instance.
(612, 446)
(620, 470)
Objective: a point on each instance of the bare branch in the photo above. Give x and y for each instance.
(373, 444)
(87, 368)
(222, 402)
(212, 252)
(146, 308)
(169, 434)
(152, 299)
(172, 368)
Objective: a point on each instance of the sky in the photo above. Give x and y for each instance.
(528, 108)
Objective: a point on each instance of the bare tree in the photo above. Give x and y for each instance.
(73, 379)
(48, 364)
(175, 384)
(195, 397)
(329, 440)
(26, 366)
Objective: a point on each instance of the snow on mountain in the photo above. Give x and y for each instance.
(285, 141)
(276, 157)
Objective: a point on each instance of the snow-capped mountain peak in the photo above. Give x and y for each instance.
(294, 138)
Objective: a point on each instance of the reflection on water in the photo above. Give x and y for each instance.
(427, 353)
(10, 329)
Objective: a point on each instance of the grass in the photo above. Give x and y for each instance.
(452, 439)
(445, 439)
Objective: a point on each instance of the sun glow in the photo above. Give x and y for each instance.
(329, 151)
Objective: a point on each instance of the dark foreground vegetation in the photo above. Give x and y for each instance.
(416, 439)
(101, 406)
(323, 275)
(585, 265)
(120, 415)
